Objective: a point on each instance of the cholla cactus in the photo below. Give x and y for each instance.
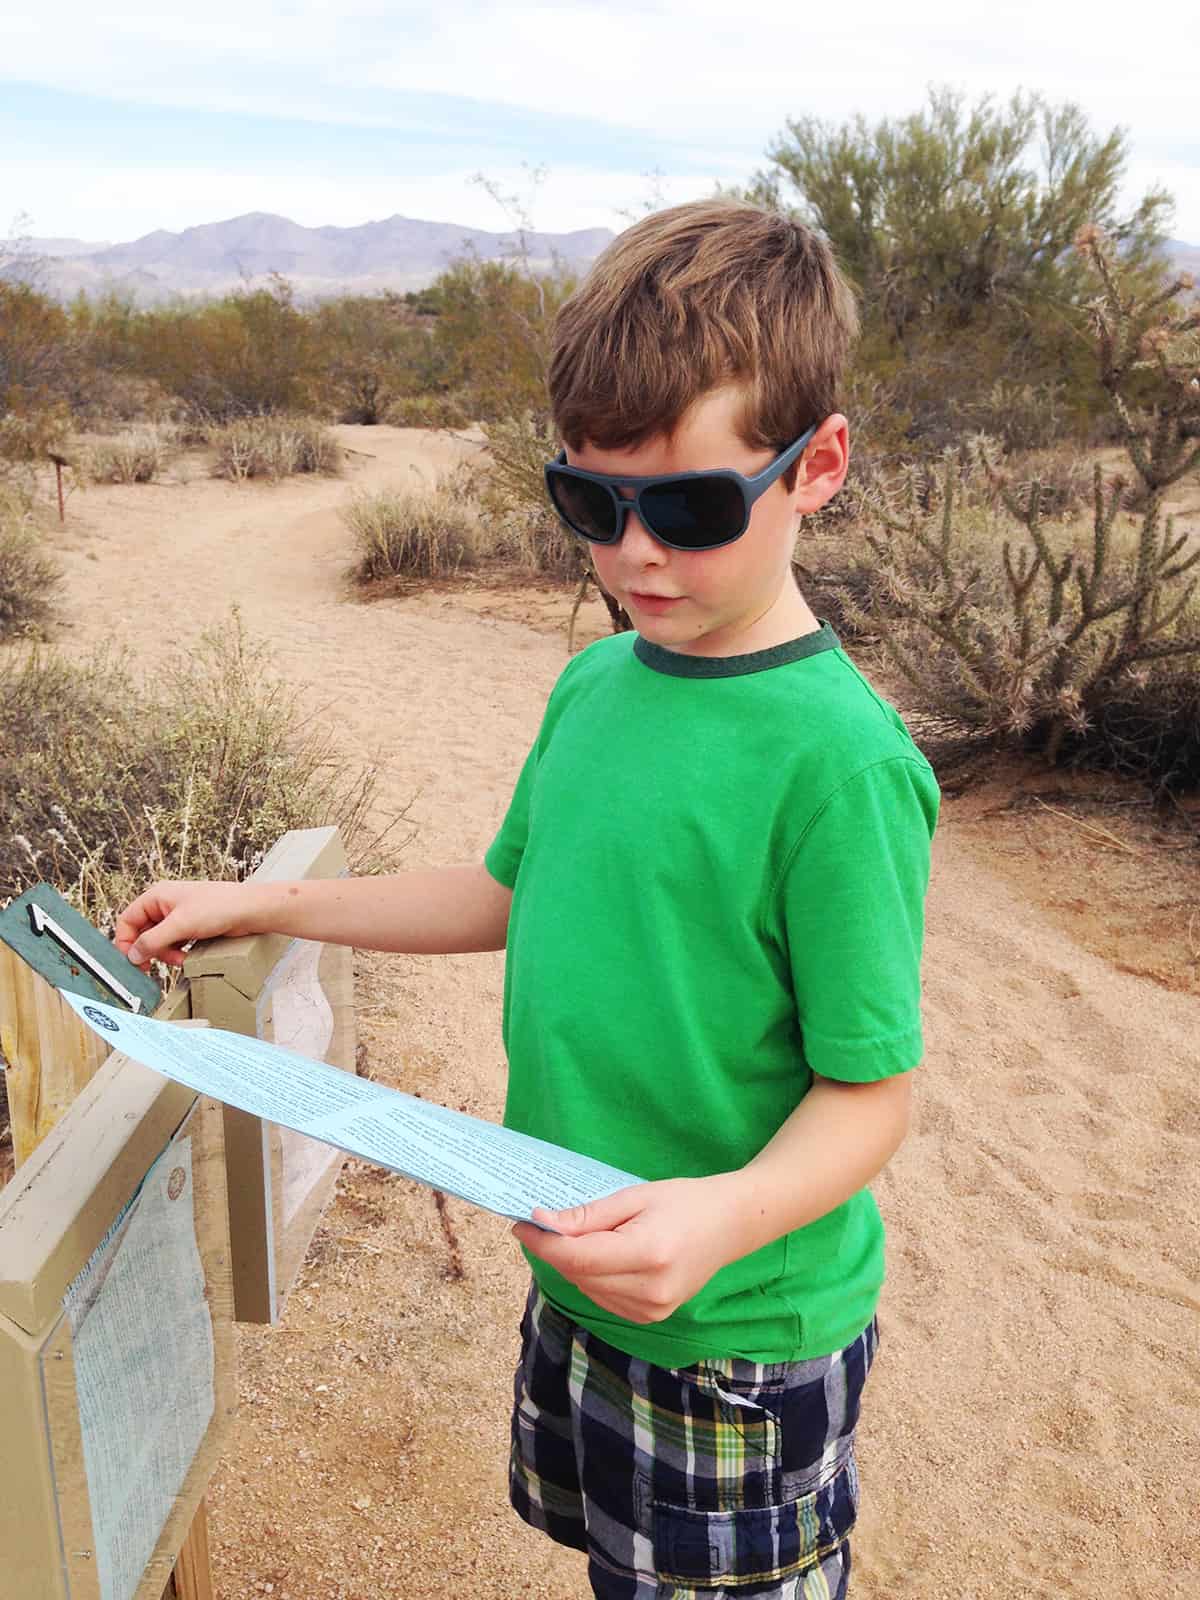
(1034, 646)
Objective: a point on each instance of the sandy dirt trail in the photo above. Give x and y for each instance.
(1031, 1427)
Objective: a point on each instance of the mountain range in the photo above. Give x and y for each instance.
(398, 253)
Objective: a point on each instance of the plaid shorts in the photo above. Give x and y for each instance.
(725, 1478)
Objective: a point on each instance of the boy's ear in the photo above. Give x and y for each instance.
(823, 465)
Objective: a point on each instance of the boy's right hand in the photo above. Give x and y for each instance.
(166, 916)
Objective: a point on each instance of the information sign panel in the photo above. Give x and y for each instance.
(116, 1339)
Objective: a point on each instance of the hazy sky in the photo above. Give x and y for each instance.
(114, 124)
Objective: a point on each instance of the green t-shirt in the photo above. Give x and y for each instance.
(718, 870)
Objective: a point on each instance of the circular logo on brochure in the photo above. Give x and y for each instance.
(175, 1183)
(101, 1020)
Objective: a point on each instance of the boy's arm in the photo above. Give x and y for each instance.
(439, 911)
(837, 1140)
(646, 1249)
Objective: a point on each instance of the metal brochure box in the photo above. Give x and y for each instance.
(61, 945)
(116, 1340)
(46, 946)
(300, 994)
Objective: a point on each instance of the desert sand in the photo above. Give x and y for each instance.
(1031, 1425)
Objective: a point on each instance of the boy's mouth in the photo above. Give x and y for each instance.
(654, 602)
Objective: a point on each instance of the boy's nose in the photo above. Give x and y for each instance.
(637, 546)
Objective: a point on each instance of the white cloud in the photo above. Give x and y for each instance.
(715, 80)
(686, 67)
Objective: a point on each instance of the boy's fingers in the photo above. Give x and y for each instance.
(158, 943)
(130, 923)
(137, 916)
(593, 1254)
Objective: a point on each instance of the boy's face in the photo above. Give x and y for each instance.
(742, 596)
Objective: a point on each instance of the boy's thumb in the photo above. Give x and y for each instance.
(594, 1215)
(151, 945)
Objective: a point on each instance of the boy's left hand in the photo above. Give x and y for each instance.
(642, 1251)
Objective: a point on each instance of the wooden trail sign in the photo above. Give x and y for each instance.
(116, 1340)
(299, 994)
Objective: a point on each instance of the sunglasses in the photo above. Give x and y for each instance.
(685, 510)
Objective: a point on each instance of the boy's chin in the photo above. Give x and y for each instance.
(662, 629)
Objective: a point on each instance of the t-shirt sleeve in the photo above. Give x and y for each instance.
(852, 900)
(503, 856)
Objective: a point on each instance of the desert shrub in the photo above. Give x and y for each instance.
(1148, 728)
(107, 783)
(523, 526)
(369, 350)
(1022, 416)
(36, 349)
(427, 411)
(272, 447)
(423, 532)
(29, 577)
(139, 456)
(1061, 478)
(247, 354)
(105, 402)
(28, 437)
(957, 223)
(492, 332)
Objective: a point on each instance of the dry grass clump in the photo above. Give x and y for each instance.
(139, 456)
(29, 576)
(425, 532)
(106, 785)
(273, 447)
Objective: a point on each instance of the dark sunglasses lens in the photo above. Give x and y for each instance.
(586, 507)
(694, 513)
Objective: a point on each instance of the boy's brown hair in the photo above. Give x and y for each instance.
(712, 292)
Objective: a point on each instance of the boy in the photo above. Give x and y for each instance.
(710, 885)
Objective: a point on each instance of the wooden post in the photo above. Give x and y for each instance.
(59, 463)
(192, 1578)
(51, 1054)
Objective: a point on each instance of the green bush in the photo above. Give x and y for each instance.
(492, 331)
(107, 784)
(272, 447)
(248, 354)
(413, 533)
(367, 351)
(36, 351)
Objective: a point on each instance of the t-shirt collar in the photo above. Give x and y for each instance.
(678, 665)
